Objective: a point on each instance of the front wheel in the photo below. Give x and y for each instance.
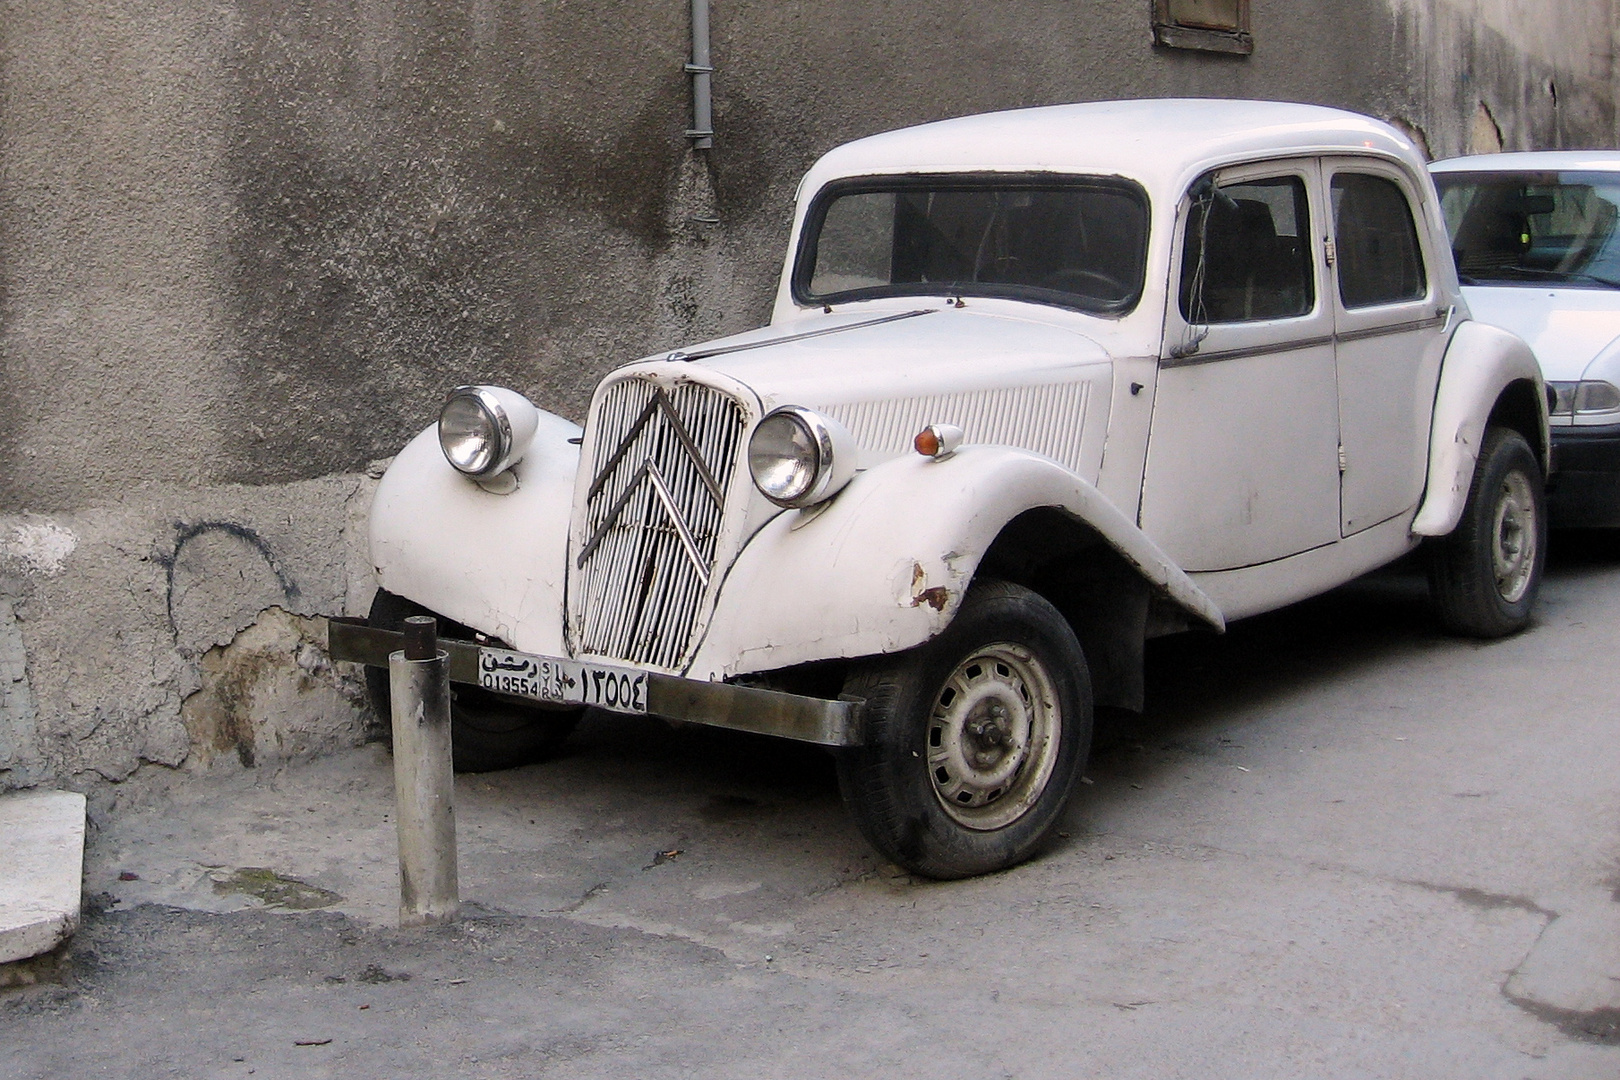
(975, 739)
(488, 731)
(1484, 577)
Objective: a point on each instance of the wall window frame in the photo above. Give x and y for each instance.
(1220, 26)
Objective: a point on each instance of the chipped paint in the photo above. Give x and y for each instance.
(934, 596)
(40, 547)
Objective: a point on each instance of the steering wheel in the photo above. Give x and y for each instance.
(1085, 282)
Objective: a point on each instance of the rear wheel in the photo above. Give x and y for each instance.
(1484, 577)
(488, 731)
(975, 739)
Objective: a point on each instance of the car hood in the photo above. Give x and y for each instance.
(885, 374)
(1566, 328)
(838, 359)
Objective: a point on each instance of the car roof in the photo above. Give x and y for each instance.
(1160, 142)
(1534, 161)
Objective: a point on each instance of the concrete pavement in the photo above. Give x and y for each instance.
(1339, 844)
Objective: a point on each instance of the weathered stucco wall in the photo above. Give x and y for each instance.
(245, 247)
(1512, 74)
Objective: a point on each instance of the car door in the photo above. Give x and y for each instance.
(1242, 462)
(1391, 338)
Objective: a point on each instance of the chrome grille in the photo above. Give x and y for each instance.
(663, 461)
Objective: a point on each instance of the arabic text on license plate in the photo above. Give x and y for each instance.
(564, 682)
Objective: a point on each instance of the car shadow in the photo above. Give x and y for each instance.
(1197, 684)
(1578, 551)
(1199, 678)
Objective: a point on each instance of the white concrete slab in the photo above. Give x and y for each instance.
(41, 871)
(1575, 965)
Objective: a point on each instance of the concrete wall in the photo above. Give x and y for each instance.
(246, 246)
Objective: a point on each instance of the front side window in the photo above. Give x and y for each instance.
(1073, 241)
(1379, 258)
(1533, 228)
(1247, 254)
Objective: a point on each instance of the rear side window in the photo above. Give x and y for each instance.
(1379, 258)
(1247, 255)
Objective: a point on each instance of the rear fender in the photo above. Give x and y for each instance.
(1482, 363)
(884, 565)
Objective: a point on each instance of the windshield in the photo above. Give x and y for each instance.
(1533, 228)
(1075, 241)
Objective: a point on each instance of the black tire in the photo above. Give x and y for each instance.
(1484, 577)
(922, 790)
(488, 731)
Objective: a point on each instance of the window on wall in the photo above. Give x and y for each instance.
(1210, 25)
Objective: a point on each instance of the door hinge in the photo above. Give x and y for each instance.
(1329, 251)
(1343, 464)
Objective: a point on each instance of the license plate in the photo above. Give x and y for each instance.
(562, 682)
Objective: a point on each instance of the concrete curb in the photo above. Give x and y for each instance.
(41, 871)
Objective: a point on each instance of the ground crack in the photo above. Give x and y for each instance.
(1484, 901)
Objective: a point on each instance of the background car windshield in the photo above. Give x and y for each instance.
(1079, 244)
(1533, 229)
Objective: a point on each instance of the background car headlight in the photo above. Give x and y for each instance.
(799, 457)
(484, 430)
(1586, 396)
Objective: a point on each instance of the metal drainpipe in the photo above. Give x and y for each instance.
(702, 130)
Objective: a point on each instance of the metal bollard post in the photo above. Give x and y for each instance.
(419, 682)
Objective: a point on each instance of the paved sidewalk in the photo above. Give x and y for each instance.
(1339, 845)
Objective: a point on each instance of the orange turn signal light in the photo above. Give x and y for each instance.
(938, 440)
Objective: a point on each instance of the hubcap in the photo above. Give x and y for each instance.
(1513, 537)
(993, 736)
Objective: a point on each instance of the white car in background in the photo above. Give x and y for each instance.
(1038, 386)
(1536, 238)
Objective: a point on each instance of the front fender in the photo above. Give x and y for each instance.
(1481, 361)
(884, 566)
(497, 563)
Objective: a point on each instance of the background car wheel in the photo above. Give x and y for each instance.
(487, 731)
(975, 739)
(1484, 577)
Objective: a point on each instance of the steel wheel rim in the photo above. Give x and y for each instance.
(992, 738)
(1514, 536)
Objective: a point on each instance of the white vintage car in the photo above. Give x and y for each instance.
(1536, 237)
(1038, 386)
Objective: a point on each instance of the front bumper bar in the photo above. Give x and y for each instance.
(726, 705)
(1584, 488)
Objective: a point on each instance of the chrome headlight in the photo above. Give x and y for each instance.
(799, 457)
(484, 430)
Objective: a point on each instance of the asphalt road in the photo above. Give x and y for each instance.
(1337, 845)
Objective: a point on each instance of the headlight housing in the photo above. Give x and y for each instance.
(799, 458)
(485, 430)
(1587, 397)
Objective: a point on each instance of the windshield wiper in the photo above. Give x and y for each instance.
(1595, 279)
(1536, 273)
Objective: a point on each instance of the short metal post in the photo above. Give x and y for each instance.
(419, 682)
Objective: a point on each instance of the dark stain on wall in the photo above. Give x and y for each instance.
(406, 191)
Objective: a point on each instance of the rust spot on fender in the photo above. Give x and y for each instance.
(936, 597)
